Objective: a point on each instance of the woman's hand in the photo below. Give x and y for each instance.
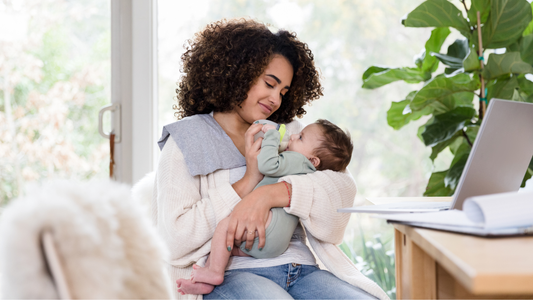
(248, 217)
(251, 214)
(252, 149)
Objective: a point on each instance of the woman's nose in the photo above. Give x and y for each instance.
(275, 98)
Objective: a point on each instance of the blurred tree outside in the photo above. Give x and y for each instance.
(54, 77)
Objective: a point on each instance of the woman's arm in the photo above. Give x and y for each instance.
(252, 212)
(186, 217)
(252, 149)
(315, 200)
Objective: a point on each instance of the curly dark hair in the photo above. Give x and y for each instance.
(222, 62)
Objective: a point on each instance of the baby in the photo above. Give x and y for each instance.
(319, 146)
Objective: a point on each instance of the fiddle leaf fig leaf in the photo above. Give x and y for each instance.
(446, 125)
(529, 28)
(438, 148)
(436, 185)
(506, 22)
(502, 88)
(399, 114)
(529, 174)
(372, 70)
(450, 61)
(526, 85)
(440, 87)
(437, 13)
(375, 77)
(471, 62)
(455, 55)
(507, 63)
(526, 49)
(454, 173)
(483, 6)
(433, 44)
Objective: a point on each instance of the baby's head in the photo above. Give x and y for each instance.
(326, 145)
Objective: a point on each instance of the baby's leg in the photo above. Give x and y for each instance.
(213, 272)
(186, 286)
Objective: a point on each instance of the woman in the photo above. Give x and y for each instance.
(237, 72)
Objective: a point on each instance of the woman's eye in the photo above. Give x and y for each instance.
(268, 84)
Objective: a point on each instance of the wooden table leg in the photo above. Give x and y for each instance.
(415, 270)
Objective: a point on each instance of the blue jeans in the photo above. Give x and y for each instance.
(290, 281)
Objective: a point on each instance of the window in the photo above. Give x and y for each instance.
(54, 77)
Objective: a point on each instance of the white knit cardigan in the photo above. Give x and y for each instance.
(186, 210)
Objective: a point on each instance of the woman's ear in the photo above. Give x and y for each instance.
(314, 160)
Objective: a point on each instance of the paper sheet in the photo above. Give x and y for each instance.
(490, 212)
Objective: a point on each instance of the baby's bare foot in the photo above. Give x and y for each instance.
(186, 286)
(206, 275)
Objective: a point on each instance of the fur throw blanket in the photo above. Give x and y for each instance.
(106, 244)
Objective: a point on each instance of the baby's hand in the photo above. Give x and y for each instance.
(268, 127)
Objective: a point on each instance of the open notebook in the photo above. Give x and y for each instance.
(489, 215)
(497, 163)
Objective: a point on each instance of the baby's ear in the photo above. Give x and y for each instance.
(314, 160)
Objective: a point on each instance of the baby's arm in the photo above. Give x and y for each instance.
(274, 164)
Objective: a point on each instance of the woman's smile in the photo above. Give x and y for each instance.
(267, 109)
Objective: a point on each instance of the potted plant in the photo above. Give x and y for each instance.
(454, 100)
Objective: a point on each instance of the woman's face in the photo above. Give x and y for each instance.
(264, 97)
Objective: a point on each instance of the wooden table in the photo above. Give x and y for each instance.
(432, 264)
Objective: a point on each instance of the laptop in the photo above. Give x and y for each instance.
(497, 163)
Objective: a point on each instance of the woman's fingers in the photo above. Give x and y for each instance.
(261, 234)
(249, 135)
(250, 236)
(230, 236)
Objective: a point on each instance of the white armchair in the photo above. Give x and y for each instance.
(104, 244)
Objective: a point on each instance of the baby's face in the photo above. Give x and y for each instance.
(306, 141)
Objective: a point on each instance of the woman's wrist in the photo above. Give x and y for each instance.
(276, 195)
(245, 185)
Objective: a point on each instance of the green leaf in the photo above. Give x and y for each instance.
(529, 174)
(437, 13)
(433, 44)
(526, 49)
(372, 70)
(460, 149)
(446, 125)
(436, 185)
(506, 22)
(450, 61)
(471, 62)
(525, 85)
(458, 49)
(471, 132)
(438, 148)
(517, 96)
(515, 46)
(452, 101)
(440, 87)
(399, 114)
(454, 174)
(375, 77)
(502, 88)
(483, 6)
(529, 28)
(507, 63)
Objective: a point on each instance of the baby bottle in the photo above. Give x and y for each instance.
(283, 134)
